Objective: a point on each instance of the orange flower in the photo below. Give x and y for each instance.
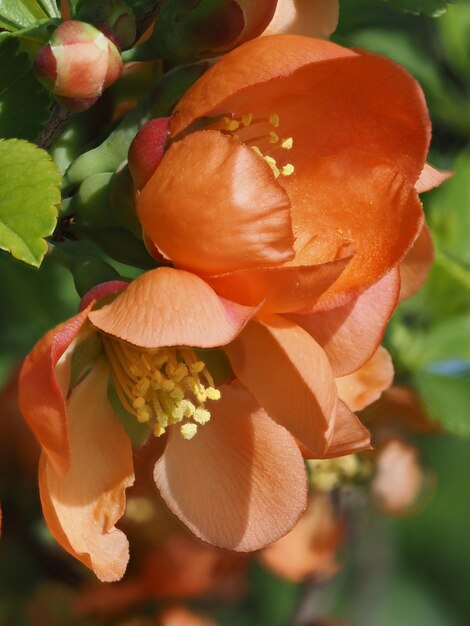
(239, 483)
(314, 18)
(299, 195)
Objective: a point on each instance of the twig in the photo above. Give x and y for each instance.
(59, 120)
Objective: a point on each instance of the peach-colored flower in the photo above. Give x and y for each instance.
(240, 483)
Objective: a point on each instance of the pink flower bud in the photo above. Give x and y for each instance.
(78, 64)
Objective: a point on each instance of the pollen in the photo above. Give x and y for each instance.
(162, 387)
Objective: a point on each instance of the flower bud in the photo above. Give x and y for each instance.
(77, 64)
(111, 16)
(147, 150)
(186, 31)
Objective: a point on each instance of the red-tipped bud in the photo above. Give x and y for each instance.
(111, 16)
(147, 150)
(78, 64)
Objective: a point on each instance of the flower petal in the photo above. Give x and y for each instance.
(257, 61)
(240, 483)
(366, 384)
(169, 307)
(415, 266)
(310, 548)
(313, 18)
(430, 178)
(42, 390)
(290, 376)
(214, 206)
(281, 289)
(349, 434)
(350, 334)
(82, 506)
(357, 200)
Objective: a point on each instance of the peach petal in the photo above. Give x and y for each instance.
(214, 206)
(81, 69)
(399, 478)
(169, 307)
(313, 18)
(366, 384)
(414, 268)
(82, 505)
(356, 199)
(350, 334)
(349, 434)
(182, 616)
(309, 549)
(240, 483)
(257, 61)
(430, 178)
(257, 16)
(280, 289)
(290, 376)
(42, 392)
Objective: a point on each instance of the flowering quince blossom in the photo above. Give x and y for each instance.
(239, 483)
(289, 183)
(314, 18)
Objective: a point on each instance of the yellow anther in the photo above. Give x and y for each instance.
(213, 394)
(157, 430)
(188, 430)
(138, 403)
(201, 416)
(155, 385)
(274, 120)
(197, 368)
(273, 137)
(272, 164)
(288, 169)
(143, 416)
(287, 143)
(247, 119)
(257, 151)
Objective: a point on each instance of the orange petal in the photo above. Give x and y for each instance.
(254, 63)
(168, 307)
(290, 376)
(354, 199)
(349, 434)
(350, 334)
(182, 616)
(82, 505)
(42, 393)
(240, 483)
(214, 206)
(414, 268)
(430, 178)
(309, 549)
(366, 384)
(328, 100)
(313, 18)
(281, 289)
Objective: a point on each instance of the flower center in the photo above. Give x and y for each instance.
(256, 132)
(162, 386)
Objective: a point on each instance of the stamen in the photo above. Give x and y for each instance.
(274, 120)
(287, 143)
(288, 169)
(154, 385)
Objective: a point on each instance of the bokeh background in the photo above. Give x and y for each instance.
(396, 571)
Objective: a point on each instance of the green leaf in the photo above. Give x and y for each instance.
(18, 14)
(24, 103)
(449, 214)
(39, 32)
(454, 30)
(29, 195)
(432, 8)
(447, 398)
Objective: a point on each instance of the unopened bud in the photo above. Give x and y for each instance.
(147, 150)
(113, 16)
(77, 64)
